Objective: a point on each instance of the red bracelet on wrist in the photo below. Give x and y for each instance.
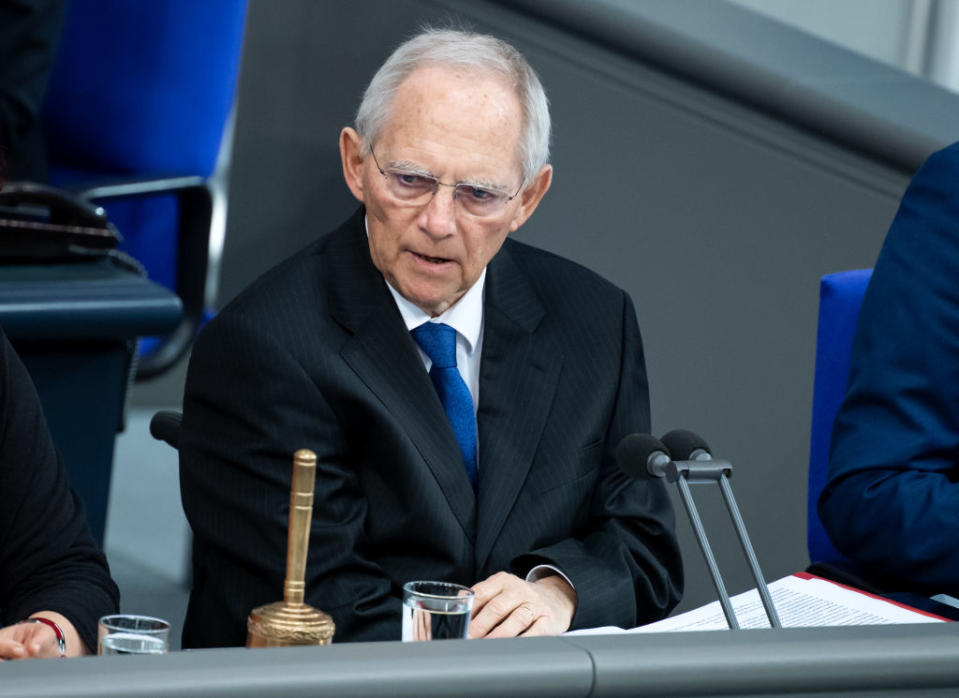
(61, 640)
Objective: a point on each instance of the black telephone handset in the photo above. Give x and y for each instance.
(43, 224)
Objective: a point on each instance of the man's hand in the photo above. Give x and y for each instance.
(37, 640)
(507, 606)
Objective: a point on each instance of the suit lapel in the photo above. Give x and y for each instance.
(518, 379)
(383, 355)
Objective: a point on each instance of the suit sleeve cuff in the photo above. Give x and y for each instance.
(541, 571)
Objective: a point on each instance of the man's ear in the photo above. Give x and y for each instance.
(351, 155)
(531, 195)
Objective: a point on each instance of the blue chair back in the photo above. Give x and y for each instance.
(143, 87)
(143, 91)
(840, 298)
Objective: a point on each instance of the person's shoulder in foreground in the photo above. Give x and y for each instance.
(497, 475)
(53, 579)
(891, 502)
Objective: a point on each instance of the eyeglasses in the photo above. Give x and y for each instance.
(417, 188)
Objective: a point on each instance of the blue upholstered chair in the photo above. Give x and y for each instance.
(135, 115)
(840, 298)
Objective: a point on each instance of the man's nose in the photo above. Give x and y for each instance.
(439, 216)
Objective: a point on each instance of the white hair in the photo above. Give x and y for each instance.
(459, 48)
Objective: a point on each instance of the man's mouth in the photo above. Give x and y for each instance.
(432, 260)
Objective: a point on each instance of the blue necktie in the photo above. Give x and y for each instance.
(439, 343)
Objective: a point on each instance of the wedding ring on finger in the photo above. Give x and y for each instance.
(531, 614)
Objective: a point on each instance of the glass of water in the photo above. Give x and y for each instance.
(436, 611)
(126, 634)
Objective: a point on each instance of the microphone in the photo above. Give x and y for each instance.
(697, 465)
(165, 426)
(693, 458)
(642, 455)
(685, 445)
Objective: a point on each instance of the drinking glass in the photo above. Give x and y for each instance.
(128, 634)
(436, 611)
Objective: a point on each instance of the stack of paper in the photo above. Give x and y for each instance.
(801, 600)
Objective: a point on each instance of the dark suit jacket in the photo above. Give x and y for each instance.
(315, 355)
(892, 500)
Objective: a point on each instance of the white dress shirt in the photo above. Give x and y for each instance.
(466, 317)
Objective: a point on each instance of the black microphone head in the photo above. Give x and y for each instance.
(165, 426)
(681, 443)
(633, 452)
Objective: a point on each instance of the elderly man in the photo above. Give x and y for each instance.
(464, 393)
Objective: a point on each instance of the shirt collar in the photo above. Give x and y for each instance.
(465, 316)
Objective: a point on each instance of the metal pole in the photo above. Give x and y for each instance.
(740, 527)
(700, 532)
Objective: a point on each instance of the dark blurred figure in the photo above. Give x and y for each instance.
(54, 582)
(29, 36)
(892, 500)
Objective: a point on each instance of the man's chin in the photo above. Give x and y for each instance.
(433, 302)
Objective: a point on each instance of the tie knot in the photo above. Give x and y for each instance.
(439, 343)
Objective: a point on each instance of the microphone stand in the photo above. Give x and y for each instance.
(708, 471)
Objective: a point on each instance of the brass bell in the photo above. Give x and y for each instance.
(292, 622)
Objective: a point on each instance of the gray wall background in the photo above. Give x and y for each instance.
(717, 218)
(919, 36)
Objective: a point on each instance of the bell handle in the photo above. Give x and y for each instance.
(301, 515)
